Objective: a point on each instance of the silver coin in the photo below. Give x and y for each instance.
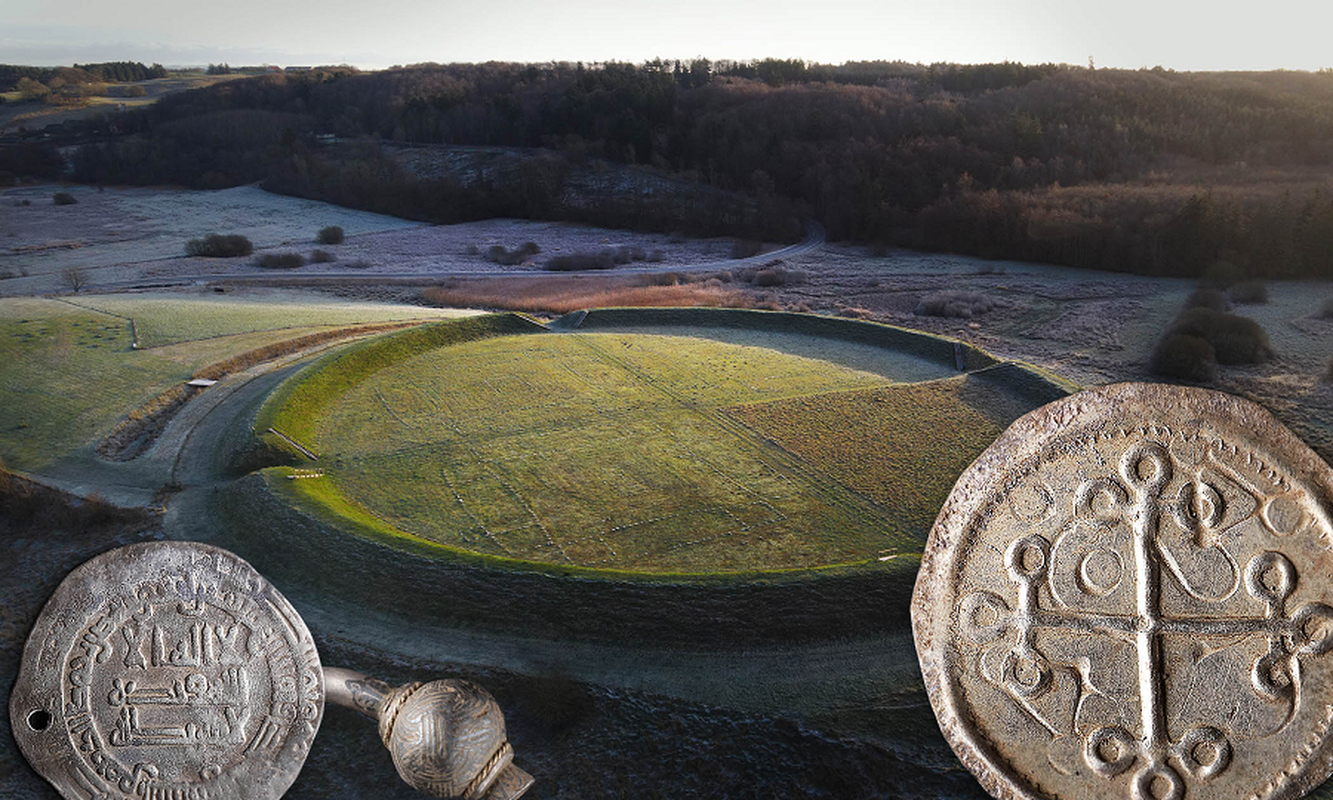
(1130, 595)
(168, 671)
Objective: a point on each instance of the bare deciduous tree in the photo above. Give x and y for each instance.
(75, 278)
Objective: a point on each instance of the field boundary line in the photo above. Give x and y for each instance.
(134, 330)
(305, 451)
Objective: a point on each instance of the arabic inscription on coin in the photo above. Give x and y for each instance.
(168, 670)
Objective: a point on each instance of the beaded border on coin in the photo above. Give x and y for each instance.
(1188, 525)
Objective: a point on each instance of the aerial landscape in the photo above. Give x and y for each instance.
(628, 387)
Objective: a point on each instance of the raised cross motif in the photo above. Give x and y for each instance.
(1107, 574)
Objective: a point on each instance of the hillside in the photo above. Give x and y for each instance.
(1148, 171)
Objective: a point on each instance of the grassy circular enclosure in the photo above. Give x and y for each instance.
(646, 441)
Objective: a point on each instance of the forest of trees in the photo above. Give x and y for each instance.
(1148, 171)
(105, 72)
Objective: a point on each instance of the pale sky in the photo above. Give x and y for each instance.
(1178, 34)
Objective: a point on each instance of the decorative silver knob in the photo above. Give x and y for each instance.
(446, 737)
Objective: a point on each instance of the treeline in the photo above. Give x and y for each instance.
(105, 72)
(545, 185)
(1146, 171)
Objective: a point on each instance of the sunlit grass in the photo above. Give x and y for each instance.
(604, 450)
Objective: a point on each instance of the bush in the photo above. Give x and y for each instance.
(954, 304)
(472, 250)
(497, 254)
(322, 257)
(1249, 293)
(656, 257)
(1328, 373)
(601, 259)
(1236, 340)
(216, 245)
(333, 234)
(281, 260)
(64, 199)
(1326, 310)
(1186, 357)
(1208, 297)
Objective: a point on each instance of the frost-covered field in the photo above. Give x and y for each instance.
(120, 237)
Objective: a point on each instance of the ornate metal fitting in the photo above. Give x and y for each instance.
(168, 670)
(174, 671)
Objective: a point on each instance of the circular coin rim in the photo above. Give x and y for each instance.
(1256, 430)
(32, 690)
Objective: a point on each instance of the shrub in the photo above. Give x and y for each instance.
(472, 250)
(322, 257)
(497, 254)
(1328, 373)
(954, 304)
(333, 234)
(281, 260)
(360, 263)
(1249, 293)
(656, 257)
(1326, 310)
(1208, 297)
(745, 248)
(1186, 357)
(1236, 339)
(64, 199)
(216, 245)
(600, 259)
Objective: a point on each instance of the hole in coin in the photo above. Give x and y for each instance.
(1032, 559)
(39, 720)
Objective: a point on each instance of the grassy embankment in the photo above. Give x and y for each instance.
(616, 451)
(72, 372)
(481, 428)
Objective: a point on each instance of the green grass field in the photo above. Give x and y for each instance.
(70, 373)
(619, 450)
(901, 445)
(170, 319)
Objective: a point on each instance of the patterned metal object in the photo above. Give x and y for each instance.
(1129, 596)
(447, 737)
(173, 671)
(167, 670)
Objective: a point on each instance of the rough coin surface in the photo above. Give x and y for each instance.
(168, 671)
(1130, 595)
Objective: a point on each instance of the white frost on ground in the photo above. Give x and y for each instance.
(120, 236)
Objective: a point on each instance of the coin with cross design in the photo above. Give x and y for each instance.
(1130, 595)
